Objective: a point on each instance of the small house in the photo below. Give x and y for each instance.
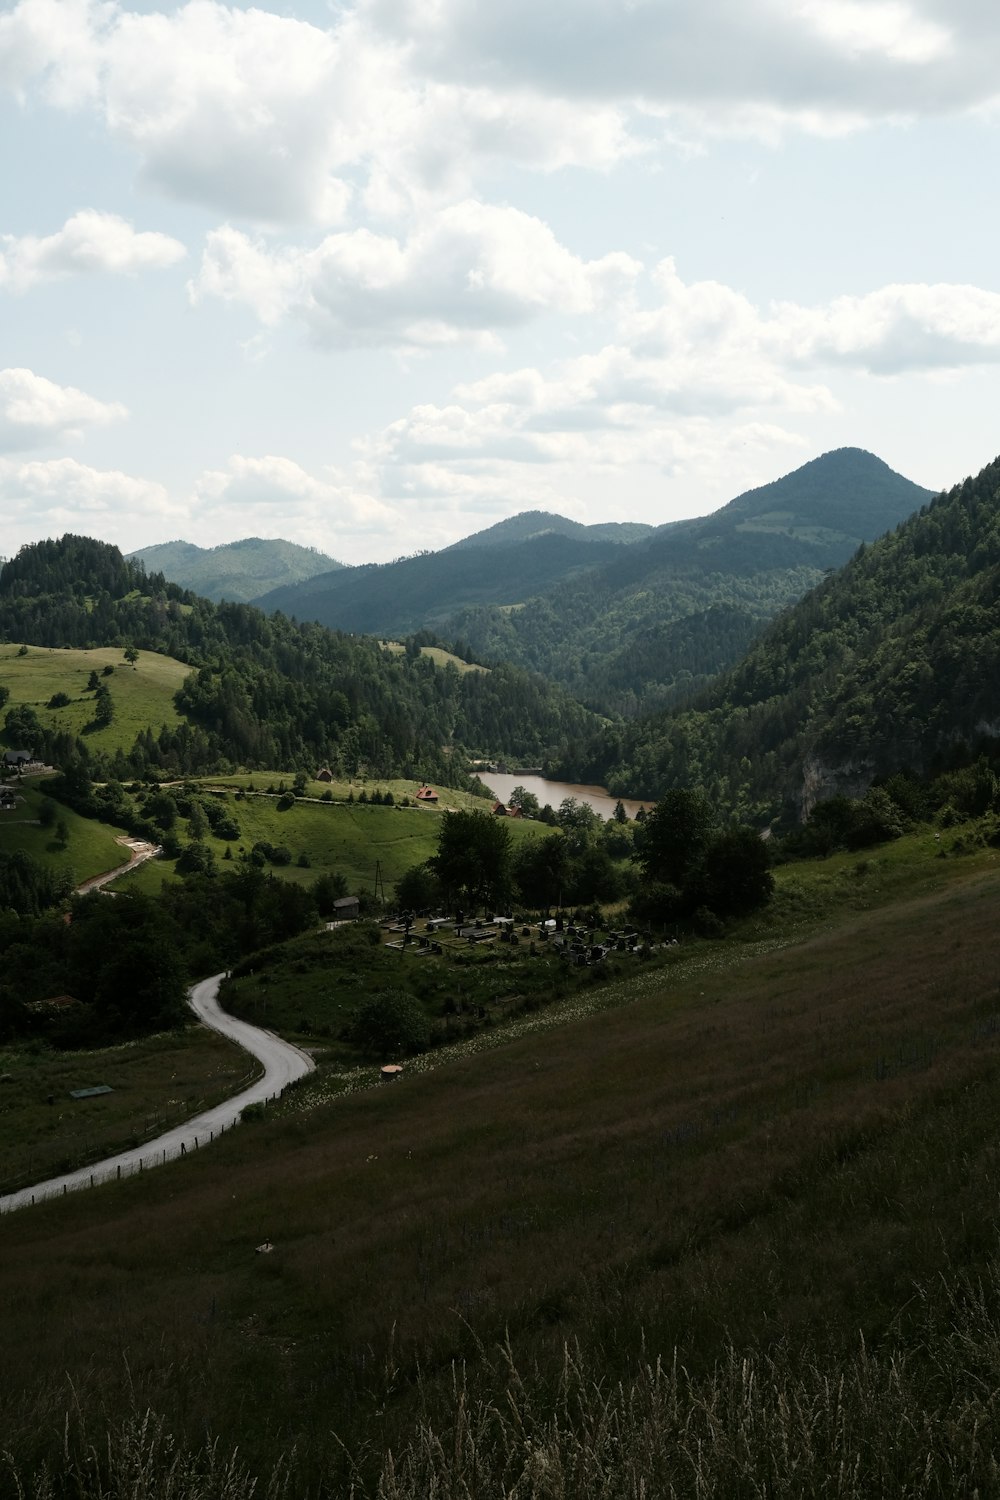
(324, 774)
(16, 760)
(346, 909)
(427, 794)
(500, 810)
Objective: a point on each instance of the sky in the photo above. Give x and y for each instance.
(372, 276)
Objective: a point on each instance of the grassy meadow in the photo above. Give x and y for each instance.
(350, 838)
(143, 696)
(438, 655)
(776, 1158)
(89, 849)
(155, 1083)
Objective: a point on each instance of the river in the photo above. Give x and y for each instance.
(554, 792)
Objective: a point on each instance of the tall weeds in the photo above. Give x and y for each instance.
(902, 1422)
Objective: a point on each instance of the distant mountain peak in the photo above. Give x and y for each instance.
(529, 524)
(238, 571)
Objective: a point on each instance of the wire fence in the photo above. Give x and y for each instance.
(185, 1138)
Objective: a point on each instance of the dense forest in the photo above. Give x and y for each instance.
(889, 665)
(265, 691)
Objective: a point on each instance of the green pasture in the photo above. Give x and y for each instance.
(90, 847)
(155, 1083)
(348, 838)
(143, 696)
(437, 655)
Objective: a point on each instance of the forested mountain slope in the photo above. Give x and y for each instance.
(669, 612)
(237, 570)
(892, 663)
(529, 524)
(401, 597)
(266, 692)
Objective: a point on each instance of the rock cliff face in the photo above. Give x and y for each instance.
(820, 781)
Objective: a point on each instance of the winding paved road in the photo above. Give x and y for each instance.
(282, 1062)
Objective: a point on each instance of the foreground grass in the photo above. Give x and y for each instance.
(776, 1157)
(155, 1083)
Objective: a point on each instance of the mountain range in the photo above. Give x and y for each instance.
(626, 618)
(239, 571)
(890, 665)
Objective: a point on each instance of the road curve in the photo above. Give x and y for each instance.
(282, 1062)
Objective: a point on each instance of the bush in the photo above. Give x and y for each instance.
(391, 1024)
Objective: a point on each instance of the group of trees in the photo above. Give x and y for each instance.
(128, 961)
(676, 862)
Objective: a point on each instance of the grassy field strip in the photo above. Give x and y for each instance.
(154, 1083)
(89, 849)
(281, 1064)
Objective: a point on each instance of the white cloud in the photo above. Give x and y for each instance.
(274, 119)
(285, 499)
(270, 118)
(34, 411)
(720, 62)
(896, 330)
(89, 241)
(464, 271)
(58, 495)
(703, 369)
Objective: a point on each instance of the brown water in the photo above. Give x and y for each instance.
(554, 792)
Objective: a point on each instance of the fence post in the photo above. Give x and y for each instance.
(119, 1171)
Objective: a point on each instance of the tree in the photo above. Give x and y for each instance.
(131, 655)
(734, 878)
(675, 835)
(326, 889)
(473, 861)
(197, 822)
(526, 801)
(104, 708)
(22, 726)
(418, 889)
(541, 870)
(391, 1024)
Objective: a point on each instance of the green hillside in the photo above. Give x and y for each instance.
(655, 624)
(402, 597)
(72, 847)
(529, 524)
(235, 570)
(891, 664)
(624, 628)
(142, 695)
(258, 691)
(728, 1222)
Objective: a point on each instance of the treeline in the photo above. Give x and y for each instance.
(891, 664)
(127, 962)
(267, 691)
